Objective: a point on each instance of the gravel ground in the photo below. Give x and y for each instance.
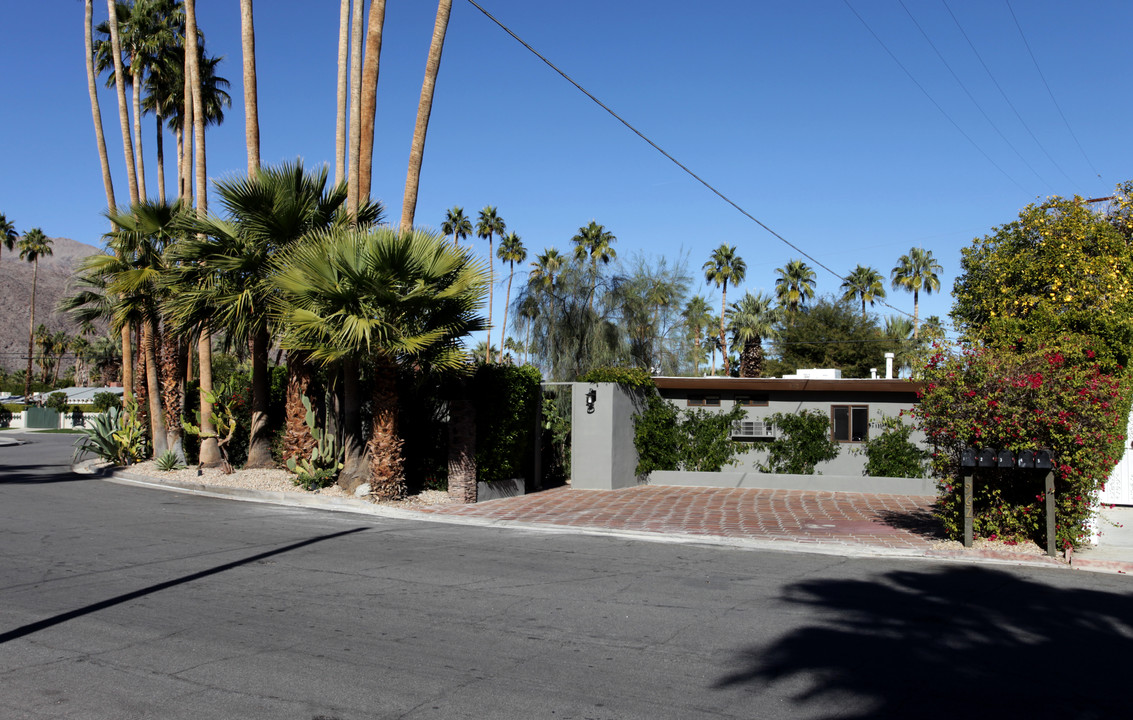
(271, 480)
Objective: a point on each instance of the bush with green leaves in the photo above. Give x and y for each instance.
(633, 378)
(168, 462)
(890, 453)
(667, 438)
(103, 401)
(56, 401)
(506, 399)
(802, 441)
(5, 417)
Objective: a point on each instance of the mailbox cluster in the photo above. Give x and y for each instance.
(990, 458)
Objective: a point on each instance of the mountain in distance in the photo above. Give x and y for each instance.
(56, 280)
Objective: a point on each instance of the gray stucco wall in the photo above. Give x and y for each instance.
(849, 462)
(602, 455)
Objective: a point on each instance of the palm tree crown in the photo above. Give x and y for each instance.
(795, 285)
(456, 225)
(545, 268)
(915, 272)
(863, 283)
(753, 319)
(724, 266)
(8, 234)
(33, 245)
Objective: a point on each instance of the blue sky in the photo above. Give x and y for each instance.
(851, 146)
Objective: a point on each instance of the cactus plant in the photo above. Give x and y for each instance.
(321, 468)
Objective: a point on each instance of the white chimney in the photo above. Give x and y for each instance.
(889, 366)
(873, 373)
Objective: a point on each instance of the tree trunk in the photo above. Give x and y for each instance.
(507, 301)
(173, 391)
(751, 359)
(136, 86)
(369, 95)
(210, 452)
(916, 314)
(340, 98)
(153, 387)
(251, 108)
(355, 466)
(298, 442)
(424, 109)
(123, 109)
(96, 113)
(259, 443)
(461, 447)
(160, 159)
(723, 337)
(31, 333)
(356, 35)
(387, 472)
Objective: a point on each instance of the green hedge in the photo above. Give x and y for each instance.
(506, 399)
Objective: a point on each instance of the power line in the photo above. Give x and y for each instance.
(672, 159)
(931, 98)
(1004, 95)
(1048, 90)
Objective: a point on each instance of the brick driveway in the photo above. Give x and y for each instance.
(901, 522)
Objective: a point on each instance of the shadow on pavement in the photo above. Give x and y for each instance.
(102, 605)
(918, 522)
(946, 644)
(39, 474)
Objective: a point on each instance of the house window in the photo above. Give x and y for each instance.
(704, 401)
(850, 423)
(757, 400)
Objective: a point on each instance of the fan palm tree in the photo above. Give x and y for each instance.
(594, 243)
(370, 67)
(725, 266)
(540, 284)
(863, 283)
(490, 224)
(753, 319)
(123, 111)
(227, 266)
(96, 112)
(378, 299)
(915, 272)
(456, 225)
(698, 318)
(33, 245)
(794, 287)
(511, 251)
(8, 235)
(251, 106)
(424, 110)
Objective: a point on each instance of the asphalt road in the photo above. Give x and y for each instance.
(122, 602)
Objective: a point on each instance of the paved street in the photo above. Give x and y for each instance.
(125, 602)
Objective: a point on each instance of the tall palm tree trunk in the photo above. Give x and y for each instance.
(723, 337)
(259, 443)
(354, 465)
(31, 331)
(153, 387)
(340, 98)
(461, 446)
(370, 94)
(298, 442)
(491, 300)
(387, 475)
(251, 107)
(136, 87)
(160, 159)
(123, 109)
(356, 35)
(507, 301)
(424, 109)
(916, 313)
(210, 452)
(173, 391)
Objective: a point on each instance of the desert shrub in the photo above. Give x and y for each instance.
(668, 438)
(802, 440)
(117, 436)
(890, 453)
(56, 401)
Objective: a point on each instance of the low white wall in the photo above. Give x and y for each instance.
(771, 481)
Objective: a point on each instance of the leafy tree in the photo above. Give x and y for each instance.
(915, 272)
(723, 266)
(1059, 269)
(794, 287)
(863, 283)
(831, 334)
(753, 319)
(456, 225)
(33, 245)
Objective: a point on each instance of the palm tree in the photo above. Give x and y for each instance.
(227, 267)
(370, 67)
(341, 93)
(355, 144)
(8, 234)
(33, 245)
(379, 298)
(794, 287)
(541, 282)
(511, 251)
(915, 272)
(251, 107)
(698, 318)
(752, 320)
(723, 266)
(899, 336)
(864, 283)
(456, 225)
(424, 110)
(594, 243)
(96, 113)
(123, 111)
(490, 224)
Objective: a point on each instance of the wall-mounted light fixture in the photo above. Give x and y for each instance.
(591, 396)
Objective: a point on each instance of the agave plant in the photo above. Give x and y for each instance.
(117, 436)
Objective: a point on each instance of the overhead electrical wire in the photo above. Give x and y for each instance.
(1048, 90)
(672, 159)
(1004, 95)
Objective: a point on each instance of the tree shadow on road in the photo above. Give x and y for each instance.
(39, 474)
(919, 522)
(946, 644)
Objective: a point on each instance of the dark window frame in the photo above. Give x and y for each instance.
(703, 400)
(753, 400)
(858, 413)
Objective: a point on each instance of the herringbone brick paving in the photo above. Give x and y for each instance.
(893, 521)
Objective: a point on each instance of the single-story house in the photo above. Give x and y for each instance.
(79, 395)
